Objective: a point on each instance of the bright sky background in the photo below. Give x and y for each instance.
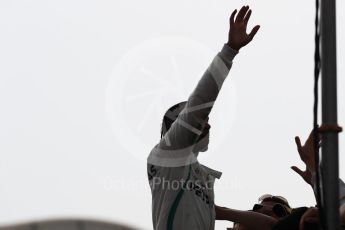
(84, 85)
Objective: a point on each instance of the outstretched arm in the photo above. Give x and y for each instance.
(175, 148)
(252, 220)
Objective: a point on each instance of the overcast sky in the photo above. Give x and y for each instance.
(84, 85)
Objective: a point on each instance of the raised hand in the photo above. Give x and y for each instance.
(306, 153)
(306, 174)
(238, 36)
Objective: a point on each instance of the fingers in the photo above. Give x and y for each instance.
(253, 32)
(241, 14)
(310, 137)
(310, 140)
(246, 18)
(330, 128)
(298, 171)
(298, 143)
(232, 17)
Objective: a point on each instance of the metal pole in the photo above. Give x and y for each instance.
(329, 162)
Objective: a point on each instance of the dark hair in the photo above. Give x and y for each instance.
(170, 116)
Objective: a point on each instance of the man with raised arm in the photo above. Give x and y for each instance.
(182, 189)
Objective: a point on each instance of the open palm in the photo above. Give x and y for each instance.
(238, 36)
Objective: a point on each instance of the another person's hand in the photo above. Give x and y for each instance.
(306, 174)
(238, 36)
(306, 153)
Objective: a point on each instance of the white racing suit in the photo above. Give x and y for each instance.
(182, 189)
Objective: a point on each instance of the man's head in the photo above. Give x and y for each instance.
(274, 206)
(172, 114)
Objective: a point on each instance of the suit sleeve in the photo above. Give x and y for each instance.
(175, 148)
